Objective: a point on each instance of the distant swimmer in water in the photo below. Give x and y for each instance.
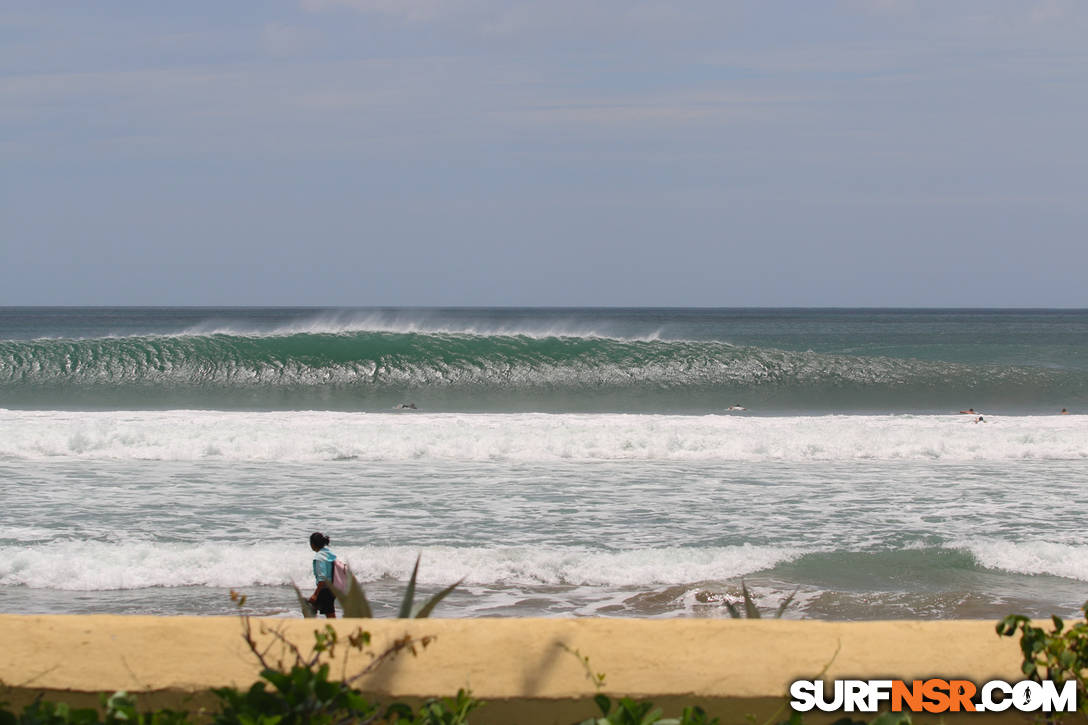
(406, 406)
(736, 406)
(980, 419)
(1065, 412)
(969, 411)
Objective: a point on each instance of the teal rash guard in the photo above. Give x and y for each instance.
(323, 560)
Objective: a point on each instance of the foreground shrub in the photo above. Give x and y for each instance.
(311, 698)
(301, 696)
(1059, 655)
(631, 712)
(119, 709)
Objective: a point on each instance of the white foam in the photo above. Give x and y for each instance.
(97, 565)
(333, 323)
(309, 436)
(1033, 557)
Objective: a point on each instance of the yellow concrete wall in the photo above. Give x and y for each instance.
(508, 660)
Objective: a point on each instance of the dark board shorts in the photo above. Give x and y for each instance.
(325, 601)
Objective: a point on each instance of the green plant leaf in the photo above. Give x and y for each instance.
(409, 593)
(1007, 626)
(733, 610)
(308, 610)
(750, 608)
(353, 602)
(651, 717)
(782, 607)
(427, 608)
(695, 715)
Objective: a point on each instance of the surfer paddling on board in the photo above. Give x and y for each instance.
(969, 411)
(736, 406)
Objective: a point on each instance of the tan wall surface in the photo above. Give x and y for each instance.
(507, 659)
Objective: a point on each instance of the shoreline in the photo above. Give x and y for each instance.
(731, 667)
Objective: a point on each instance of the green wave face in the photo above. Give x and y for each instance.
(470, 372)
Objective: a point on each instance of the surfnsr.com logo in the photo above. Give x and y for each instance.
(933, 695)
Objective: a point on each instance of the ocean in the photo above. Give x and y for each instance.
(561, 462)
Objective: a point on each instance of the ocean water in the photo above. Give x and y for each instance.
(564, 462)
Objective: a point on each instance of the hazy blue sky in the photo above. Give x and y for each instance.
(567, 152)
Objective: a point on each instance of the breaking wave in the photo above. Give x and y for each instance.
(443, 371)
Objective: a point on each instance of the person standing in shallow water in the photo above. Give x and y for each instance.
(323, 599)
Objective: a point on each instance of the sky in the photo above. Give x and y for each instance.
(888, 153)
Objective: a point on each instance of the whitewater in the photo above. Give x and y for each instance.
(559, 462)
(409, 436)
